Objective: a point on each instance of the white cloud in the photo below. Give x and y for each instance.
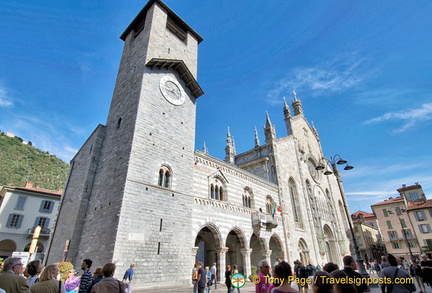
(409, 118)
(43, 135)
(339, 74)
(5, 100)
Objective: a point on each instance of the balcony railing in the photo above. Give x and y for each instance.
(263, 221)
(43, 233)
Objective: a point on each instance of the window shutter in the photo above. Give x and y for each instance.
(20, 203)
(21, 217)
(385, 213)
(41, 210)
(46, 223)
(389, 224)
(8, 224)
(36, 222)
(428, 228)
(51, 207)
(398, 211)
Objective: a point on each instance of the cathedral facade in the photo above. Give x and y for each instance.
(138, 192)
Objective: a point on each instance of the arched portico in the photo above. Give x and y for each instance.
(7, 246)
(208, 248)
(303, 251)
(235, 243)
(258, 246)
(276, 249)
(39, 246)
(330, 245)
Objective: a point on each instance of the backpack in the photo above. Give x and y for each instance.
(311, 270)
(303, 272)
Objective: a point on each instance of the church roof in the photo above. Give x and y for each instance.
(138, 20)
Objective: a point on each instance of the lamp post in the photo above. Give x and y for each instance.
(338, 160)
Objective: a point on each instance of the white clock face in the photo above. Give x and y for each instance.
(172, 90)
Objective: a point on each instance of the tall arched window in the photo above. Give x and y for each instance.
(269, 204)
(217, 188)
(247, 197)
(165, 176)
(294, 201)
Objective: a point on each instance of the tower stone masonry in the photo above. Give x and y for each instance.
(138, 192)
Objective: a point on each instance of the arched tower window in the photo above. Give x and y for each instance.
(212, 191)
(269, 204)
(165, 174)
(247, 197)
(218, 188)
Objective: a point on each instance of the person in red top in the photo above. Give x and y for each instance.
(263, 285)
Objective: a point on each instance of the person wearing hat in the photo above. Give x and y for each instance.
(426, 266)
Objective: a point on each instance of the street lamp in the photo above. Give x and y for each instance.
(339, 161)
(402, 210)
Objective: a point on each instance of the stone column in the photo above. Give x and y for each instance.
(266, 254)
(221, 255)
(247, 261)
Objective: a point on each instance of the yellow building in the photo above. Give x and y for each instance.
(420, 215)
(405, 222)
(368, 236)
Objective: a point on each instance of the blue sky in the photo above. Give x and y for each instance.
(363, 70)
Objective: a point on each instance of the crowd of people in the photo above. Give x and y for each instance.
(34, 278)
(392, 276)
(326, 279)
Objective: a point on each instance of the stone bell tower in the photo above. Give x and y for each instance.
(127, 197)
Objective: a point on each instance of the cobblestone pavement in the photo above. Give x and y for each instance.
(248, 288)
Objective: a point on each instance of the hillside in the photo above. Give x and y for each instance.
(22, 162)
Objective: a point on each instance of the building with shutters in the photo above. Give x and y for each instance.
(21, 210)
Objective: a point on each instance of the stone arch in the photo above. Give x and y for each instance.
(39, 245)
(165, 176)
(7, 246)
(330, 245)
(303, 251)
(276, 247)
(258, 246)
(235, 242)
(208, 239)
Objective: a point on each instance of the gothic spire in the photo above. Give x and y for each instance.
(205, 150)
(269, 130)
(286, 110)
(257, 142)
(297, 105)
(230, 149)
